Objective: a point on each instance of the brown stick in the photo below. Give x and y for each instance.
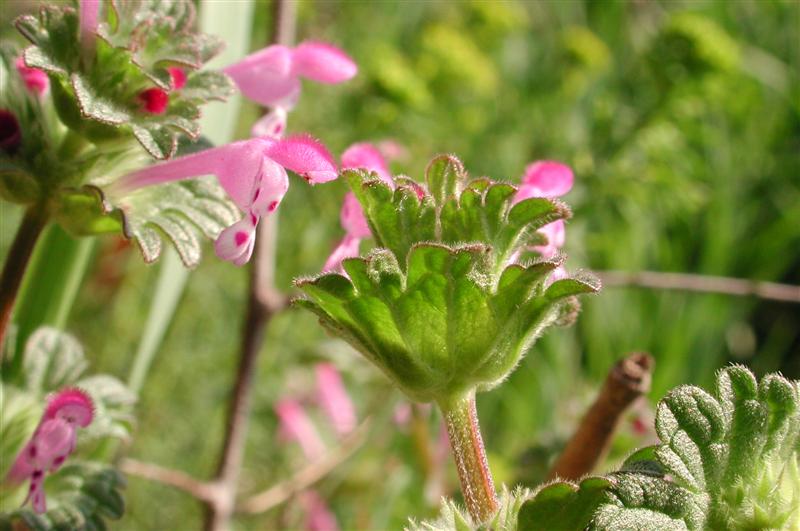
(174, 478)
(17, 260)
(628, 380)
(264, 301)
(740, 287)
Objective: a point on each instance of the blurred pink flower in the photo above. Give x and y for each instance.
(549, 179)
(251, 172)
(35, 80)
(88, 13)
(367, 157)
(334, 399)
(52, 442)
(271, 76)
(546, 178)
(295, 422)
(319, 517)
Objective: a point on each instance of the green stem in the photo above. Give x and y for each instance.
(51, 284)
(72, 144)
(17, 260)
(461, 419)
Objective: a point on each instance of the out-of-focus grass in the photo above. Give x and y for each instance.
(682, 124)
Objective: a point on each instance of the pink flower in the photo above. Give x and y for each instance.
(88, 14)
(334, 400)
(52, 442)
(177, 76)
(253, 174)
(295, 422)
(319, 516)
(154, 100)
(35, 80)
(364, 156)
(271, 76)
(549, 179)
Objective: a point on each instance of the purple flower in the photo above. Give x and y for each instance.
(271, 77)
(252, 172)
(52, 442)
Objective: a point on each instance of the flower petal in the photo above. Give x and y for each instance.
(556, 237)
(367, 157)
(72, 405)
(297, 424)
(272, 124)
(334, 399)
(305, 156)
(238, 166)
(54, 440)
(347, 248)
(352, 217)
(266, 76)
(88, 13)
(235, 244)
(322, 62)
(35, 80)
(549, 178)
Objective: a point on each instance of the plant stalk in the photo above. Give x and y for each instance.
(461, 419)
(33, 222)
(263, 302)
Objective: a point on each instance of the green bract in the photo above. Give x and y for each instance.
(726, 461)
(436, 307)
(98, 96)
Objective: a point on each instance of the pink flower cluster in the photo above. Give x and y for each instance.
(295, 424)
(52, 442)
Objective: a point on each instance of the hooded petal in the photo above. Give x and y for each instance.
(235, 244)
(305, 156)
(322, 62)
(334, 399)
(546, 178)
(266, 76)
(72, 405)
(366, 156)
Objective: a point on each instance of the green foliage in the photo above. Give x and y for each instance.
(455, 518)
(82, 493)
(726, 461)
(97, 94)
(442, 319)
(456, 211)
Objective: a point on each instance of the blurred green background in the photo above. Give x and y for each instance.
(681, 121)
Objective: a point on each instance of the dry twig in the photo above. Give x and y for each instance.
(702, 283)
(628, 380)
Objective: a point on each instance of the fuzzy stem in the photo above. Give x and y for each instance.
(461, 420)
(17, 260)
